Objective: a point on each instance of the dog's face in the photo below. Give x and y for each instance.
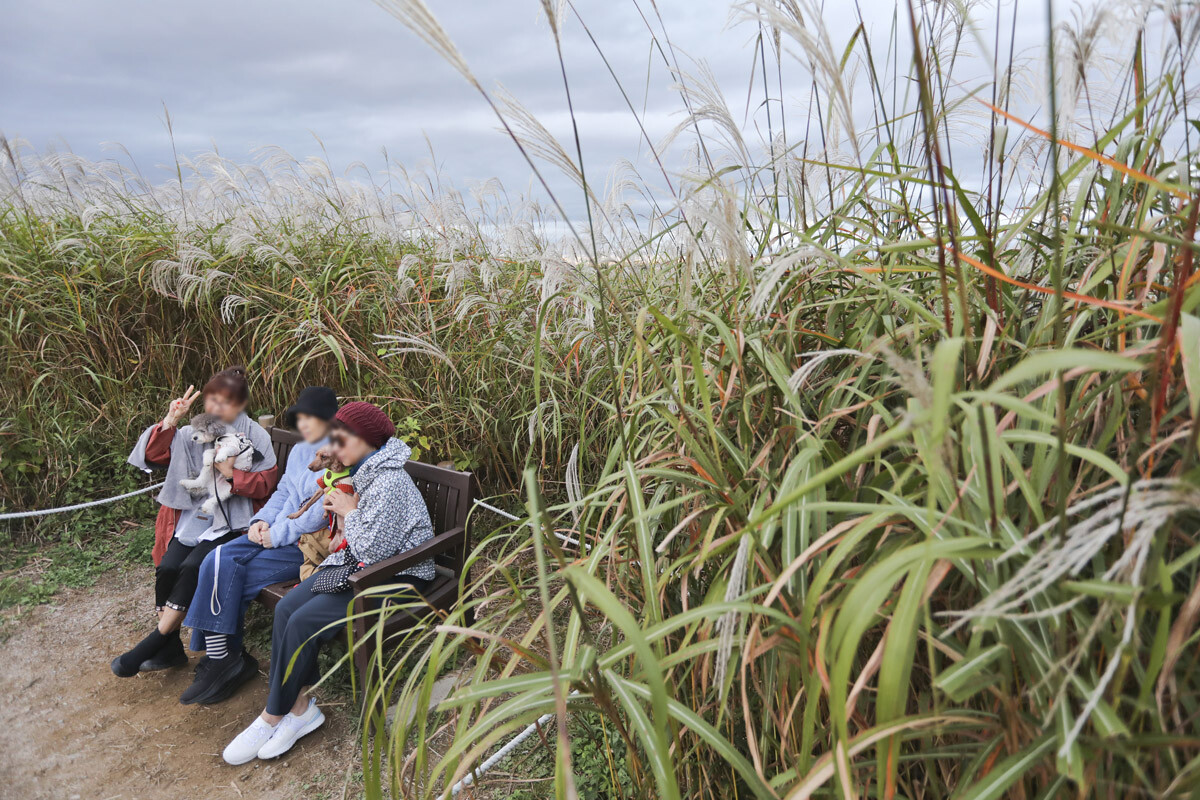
(324, 459)
(206, 428)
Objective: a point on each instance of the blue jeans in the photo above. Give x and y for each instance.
(230, 578)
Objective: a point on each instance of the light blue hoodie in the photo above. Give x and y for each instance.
(297, 485)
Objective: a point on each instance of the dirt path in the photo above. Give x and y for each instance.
(70, 729)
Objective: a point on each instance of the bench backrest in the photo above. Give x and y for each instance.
(447, 492)
(282, 441)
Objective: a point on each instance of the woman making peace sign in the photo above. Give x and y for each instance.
(182, 535)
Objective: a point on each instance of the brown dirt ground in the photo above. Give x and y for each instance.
(70, 729)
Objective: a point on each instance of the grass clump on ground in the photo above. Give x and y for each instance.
(33, 574)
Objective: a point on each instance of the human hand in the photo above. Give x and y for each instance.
(225, 467)
(258, 533)
(341, 503)
(179, 406)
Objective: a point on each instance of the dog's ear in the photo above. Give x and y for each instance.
(318, 460)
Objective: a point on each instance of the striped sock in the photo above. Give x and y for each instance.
(216, 645)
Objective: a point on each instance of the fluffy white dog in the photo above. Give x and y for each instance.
(227, 444)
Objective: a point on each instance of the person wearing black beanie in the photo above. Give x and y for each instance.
(315, 401)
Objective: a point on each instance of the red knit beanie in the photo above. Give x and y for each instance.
(366, 421)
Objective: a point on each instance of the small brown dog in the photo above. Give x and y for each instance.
(336, 476)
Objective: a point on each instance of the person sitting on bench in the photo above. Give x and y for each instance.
(385, 516)
(233, 574)
(183, 535)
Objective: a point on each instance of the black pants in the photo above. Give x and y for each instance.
(298, 618)
(179, 571)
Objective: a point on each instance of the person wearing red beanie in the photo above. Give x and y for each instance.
(385, 516)
(367, 422)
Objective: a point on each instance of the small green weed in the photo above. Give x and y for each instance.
(409, 430)
(598, 755)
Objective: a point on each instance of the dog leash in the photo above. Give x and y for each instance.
(214, 602)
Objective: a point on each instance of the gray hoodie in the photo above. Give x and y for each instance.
(391, 517)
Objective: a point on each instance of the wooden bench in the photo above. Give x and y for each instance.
(448, 495)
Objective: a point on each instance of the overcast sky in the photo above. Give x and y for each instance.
(240, 74)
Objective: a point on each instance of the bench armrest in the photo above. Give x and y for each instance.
(384, 572)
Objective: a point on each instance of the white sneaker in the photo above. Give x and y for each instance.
(289, 731)
(246, 744)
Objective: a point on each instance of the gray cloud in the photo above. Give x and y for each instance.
(241, 75)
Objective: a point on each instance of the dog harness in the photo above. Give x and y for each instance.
(328, 480)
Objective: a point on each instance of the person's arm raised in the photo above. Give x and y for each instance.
(179, 406)
(158, 446)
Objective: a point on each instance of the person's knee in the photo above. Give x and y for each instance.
(188, 572)
(298, 628)
(282, 615)
(288, 605)
(284, 612)
(220, 555)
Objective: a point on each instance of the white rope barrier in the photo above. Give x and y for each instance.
(499, 511)
(562, 536)
(502, 753)
(46, 511)
(498, 756)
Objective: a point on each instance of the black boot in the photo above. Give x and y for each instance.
(171, 655)
(222, 693)
(217, 679)
(127, 664)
